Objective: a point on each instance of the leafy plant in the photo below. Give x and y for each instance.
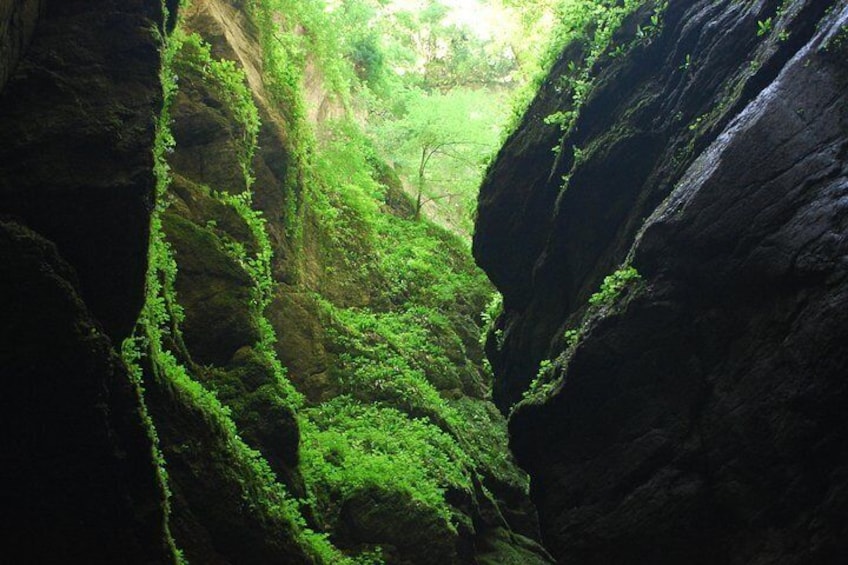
(159, 324)
(613, 285)
(349, 445)
(542, 384)
(571, 337)
(493, 309)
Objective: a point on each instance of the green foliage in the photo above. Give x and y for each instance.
(613, 285)
(764, 27)
(611, 288)
(161, 314)
(258, 267)
(404, 359)
(387, 357)
(349, 445)
(131, 347)
(481, 430)
(441, 143)
(230, 83)
(493, 309)
(292, 33)
(131, 355)
(347, 194)
(559, 118)
(542, 384)
(426, 262)
(591, 25)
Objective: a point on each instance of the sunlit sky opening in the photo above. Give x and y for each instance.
(483, 20)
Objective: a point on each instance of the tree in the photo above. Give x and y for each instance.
(445, 138)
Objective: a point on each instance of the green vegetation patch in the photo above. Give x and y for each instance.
(350, 445)
(613, 285)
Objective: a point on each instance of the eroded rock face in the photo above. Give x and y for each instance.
(76, 132)
(80, 89)
(700, 419)
(76, 458)
(17, 22)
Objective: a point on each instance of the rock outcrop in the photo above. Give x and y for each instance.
(326, 285)
(80, 90)
(700, 415)
(78, 125)
(76, 454)
(17, 22)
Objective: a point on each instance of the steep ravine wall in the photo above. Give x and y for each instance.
(79, 91)
(700, 415)
(330, 306)
(78, 119)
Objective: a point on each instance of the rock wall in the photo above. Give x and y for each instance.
(76, 180)
(76, 457)
(699, 418)
(78, 119)
(17, 22)
(312, 278)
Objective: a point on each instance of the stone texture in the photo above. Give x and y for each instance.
(80, 89)
(648, 118)
(700, 419)
(18, 19)
(214, 518)
(75, 459)
(76, 136)
(214, 291)
(410, 533)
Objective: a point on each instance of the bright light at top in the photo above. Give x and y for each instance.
(481, 19)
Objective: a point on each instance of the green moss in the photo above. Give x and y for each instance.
(350, 445)
(230, 83)
(161, 317)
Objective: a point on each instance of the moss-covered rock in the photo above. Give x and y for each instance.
(409, 532)
(500, 546)
(301, 342)
(214, 291)
(698, 417)
(197, 203)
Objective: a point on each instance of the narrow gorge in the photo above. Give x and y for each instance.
(250, 317)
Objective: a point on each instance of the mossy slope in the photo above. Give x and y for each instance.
(293, 307)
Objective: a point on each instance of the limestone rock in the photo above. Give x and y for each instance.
(700, 418)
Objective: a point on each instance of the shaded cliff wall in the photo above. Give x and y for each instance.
(76, 181)
(699, 416)
(367, 341)
(17, 22)
(79, 116)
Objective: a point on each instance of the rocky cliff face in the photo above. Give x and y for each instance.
(696, 416)
(17, 22)
(158, 191)
(274, 262)
(78, 117)
(80, 89)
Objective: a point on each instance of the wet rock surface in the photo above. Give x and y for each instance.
(700, 418)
